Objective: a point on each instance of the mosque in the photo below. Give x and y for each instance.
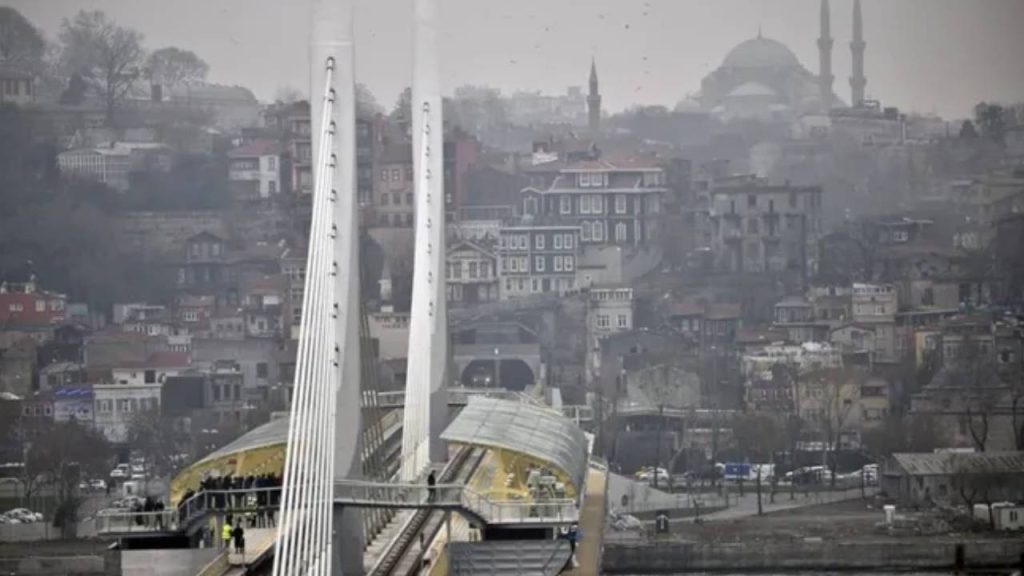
(762, 78)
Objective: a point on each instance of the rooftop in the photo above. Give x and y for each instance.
(942, 463)
(523, 428)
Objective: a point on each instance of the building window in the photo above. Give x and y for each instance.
(513, 264)
(473, 269)
(40, 306)
(485, 270)
(558, 263)
(261, 370)
(597, 205)
(751, 201)
(603, 321)
(408, 198)
(568, 263)
(585, 231)
(598, 233)
(538, 263)
(622, 321)
(753, 227)
(584, 204)
(792, 199)
(565, 204)
(538, 241)
(457, 271)
(534, 285)
(620, 203)
(620, 232)
(567, 244)
(272, 163)
(384, 175)
(149, 377)
(397, 199)
(272, 187)
(385, 198)
(558, 241)
(396, 175)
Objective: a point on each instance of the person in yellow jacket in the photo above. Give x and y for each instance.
(225, 533)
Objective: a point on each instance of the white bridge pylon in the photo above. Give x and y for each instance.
(426, 402)
(315, 537)
(325, 428)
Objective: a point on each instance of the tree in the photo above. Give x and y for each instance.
(107, 56)
(991, 119)
(758, 436)
(833, 393)
(20, 41)
(916, 433)
(968, 131)
(60, 456)
(172, 66)
(158, 439)
(974, 374)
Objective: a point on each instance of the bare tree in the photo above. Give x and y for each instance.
(916, 433)
(833, 393)
(106, 55)
(974, 372)
(172, 66)
(159, 439)
(60, 456)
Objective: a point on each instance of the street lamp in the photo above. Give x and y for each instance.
(497, 368)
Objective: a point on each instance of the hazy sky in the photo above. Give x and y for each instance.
(925, 55)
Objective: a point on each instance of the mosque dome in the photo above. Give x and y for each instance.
(761, 52)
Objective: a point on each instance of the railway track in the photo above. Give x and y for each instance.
(402, 557)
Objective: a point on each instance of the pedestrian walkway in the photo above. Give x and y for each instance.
(588, 552)
(258, 541)
(746, 505)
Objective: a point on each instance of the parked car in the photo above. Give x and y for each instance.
(128, 502)
(24, 515)
(120, 472)
(647, 474)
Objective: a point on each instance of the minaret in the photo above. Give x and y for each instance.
(594, 100)
(825, 77)
(857, 81)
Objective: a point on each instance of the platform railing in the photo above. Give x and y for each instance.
(175, 518)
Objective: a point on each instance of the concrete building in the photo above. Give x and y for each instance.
(609, 311)
(17, 86)
(134, 388)
(875, 307)
(394, 189)
(112, 165)
(760, 227)
(254, 170)
(535, 258)
(920, 478)
(471, 269)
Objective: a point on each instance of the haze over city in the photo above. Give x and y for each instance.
(925, 56)
(482, 288)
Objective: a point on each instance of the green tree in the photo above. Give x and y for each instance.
(107, 56)
(172, 66)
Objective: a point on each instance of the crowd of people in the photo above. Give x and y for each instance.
(149, 505)
(253, 493)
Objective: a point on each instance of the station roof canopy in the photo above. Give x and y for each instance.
(534, 431)
(270, 434)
